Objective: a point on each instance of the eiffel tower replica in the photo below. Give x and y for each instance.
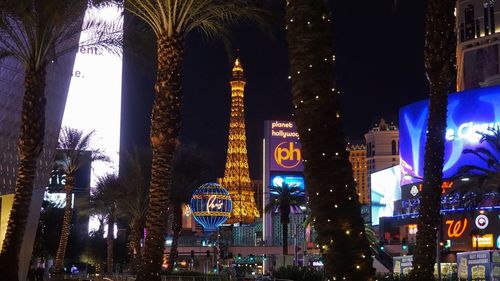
(236, 176)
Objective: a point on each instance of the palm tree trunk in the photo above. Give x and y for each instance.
(440, 66)
(285, 239)
(176, 231)
(165, 127)
(110, 242)
(331, 188)
(30, 145)
(66, 226)
(285, 219)
(135, 244)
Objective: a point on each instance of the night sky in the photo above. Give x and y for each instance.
(379, 55)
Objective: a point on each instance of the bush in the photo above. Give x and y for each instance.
(296, 273)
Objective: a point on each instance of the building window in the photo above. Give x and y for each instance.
(492, 17)
(469, 22)
(486, 20)
(393, 147)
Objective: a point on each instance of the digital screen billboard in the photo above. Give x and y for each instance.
(288, 179)
(94, 97)
(385, 190)
(284, 147)
(468, 112)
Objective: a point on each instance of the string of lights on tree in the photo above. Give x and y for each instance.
(334, 233)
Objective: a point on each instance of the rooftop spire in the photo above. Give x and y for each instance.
(237, 67)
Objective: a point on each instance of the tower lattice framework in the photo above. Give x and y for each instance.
(236, 176)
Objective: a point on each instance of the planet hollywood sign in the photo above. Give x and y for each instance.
(285, 148)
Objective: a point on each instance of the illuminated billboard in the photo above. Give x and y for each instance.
(467, 231)
(282, 163)
(469, 112)
(385, 190)
(284, 146)
(94, 97)
(291, 180)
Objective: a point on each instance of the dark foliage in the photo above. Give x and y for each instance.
(296, 273)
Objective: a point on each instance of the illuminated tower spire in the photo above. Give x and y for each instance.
(236, 176)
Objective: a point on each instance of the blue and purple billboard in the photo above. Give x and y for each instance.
(469, 112)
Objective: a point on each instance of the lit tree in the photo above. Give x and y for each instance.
(330, 186)
(74, 151)
(171, 21)
(440, 41)
(285, 199)
(35, 33)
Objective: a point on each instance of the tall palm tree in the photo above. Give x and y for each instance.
(440, 41)
(134, 203)
(35, 33)
(285, 199)
(108, 192)
(330, 186)
(191, 169)
(74, 151)
(171, 21)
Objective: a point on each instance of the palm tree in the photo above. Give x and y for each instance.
(35, 33)
(440, 44)
(191, 169)
(134, 203)
(171, 21)
(330, 186)
(74, 151)
(285, 199)
(109, 190)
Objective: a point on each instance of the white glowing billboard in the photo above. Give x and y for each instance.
(94, 97)
(385, 190)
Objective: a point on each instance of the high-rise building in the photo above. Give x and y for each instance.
(478, 52)
(237, 176)
(382, 147)
(357, 157)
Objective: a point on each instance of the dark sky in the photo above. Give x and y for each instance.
(379, 51)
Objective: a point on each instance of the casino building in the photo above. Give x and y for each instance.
(476, 107)
(464, 228)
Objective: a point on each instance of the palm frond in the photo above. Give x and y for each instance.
(75, 150)
(212, 18)
(38, 32)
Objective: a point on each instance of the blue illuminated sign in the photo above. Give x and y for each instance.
(288, 179)
(468, 112)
